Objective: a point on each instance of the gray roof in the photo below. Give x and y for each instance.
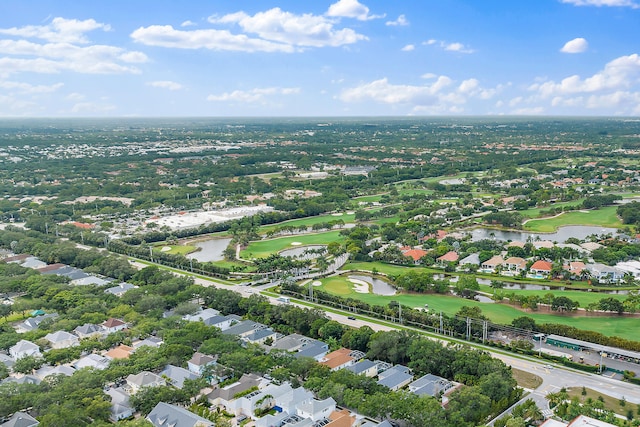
(91, 280)
(394, 370)
(92, 361)
(430, 384)
(144, 378)
(177, 375)
(88, 329)
(313, 349)
(361, 366)
(59, 336)
(166, 415)
(395, 379)
(471, 259)
(27, 379)
(314, 406)
(20, 419)
(120, 289)
(243, 327)
(259, 334)
(200, 359)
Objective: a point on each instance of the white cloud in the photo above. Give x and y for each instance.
(577, 45)
(351, 9)
(60, 30)
(429, 76)
(439, 96)
(457, 47)
(408, 48)
(599, 3)
(75, 97)
(188, 23)
(448, 46)
(306, 30)
(619, 74)
(253, 95)
(67, 50)
(26, 88)
(400, 22)
(166, 84)
(90, 108)
(167, 36)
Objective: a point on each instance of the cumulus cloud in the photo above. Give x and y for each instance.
(449, 46)
(188, 23)
(167, 36)
(577, 45)
(306, 30)
(166, 84)
(27, 88)
(273, 30)
(408, 48)
(351, 9)
(400, 22)
(621, 73)
(253, 95)
(67, 50)
(600, 3)
(441, 94)
(60, 30)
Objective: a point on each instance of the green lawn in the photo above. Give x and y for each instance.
(369, 199)
(498, 313)
(536, 212)
(264, 248)
(603, 217)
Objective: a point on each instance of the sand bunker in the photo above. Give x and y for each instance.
(296, 243)
(360, 286)
(337, 214)
(316, 283)
(165, 249)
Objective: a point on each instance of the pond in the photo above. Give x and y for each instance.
(302, 252)
(210, 250)
(560, 236)
(380, 287)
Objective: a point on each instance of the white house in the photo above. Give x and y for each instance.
(144, 379)
(24, 348)
(61, 339)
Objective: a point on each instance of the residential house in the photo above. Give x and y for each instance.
(317, 410)
(604, 274)
(244, 328)
(24, 348)
(221, 322)
(315, 349)
(364, 367)
(341, 418)
(176, 375)
(62, 339)
(540, 268)
(513, 266)
(153, 342)
(590, 246)
(292, 342)
(25, 379)
(431, 385)
(260, 336)
(47, 371)
(7, 360)
(199, 362)
(144, 379)
(490, 265)
(120, 289)
(120, 406)
(201, 315)
(33, 262)
(167, 415)
(88, 330)
(287, 398)
(580, 421)
(395, 378)
(447, 258)
(92, 360)
(112, 325)
(547, 244)
(341, 358)
(120, 352)
(20, 419)
(90, 279)
(415, 254)
(33, 322)
(223, 396)
(473, 259)
(576, 268)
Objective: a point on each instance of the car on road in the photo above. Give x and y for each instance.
(351, 318)
(548, 366)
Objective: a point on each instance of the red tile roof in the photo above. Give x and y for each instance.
(416, 254)
(450, 256)
(541, 266)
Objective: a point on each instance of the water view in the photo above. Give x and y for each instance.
(578, 231)
(210, 250)
(379, 286)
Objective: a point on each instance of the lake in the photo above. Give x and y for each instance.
(380, 287)
(210, 250)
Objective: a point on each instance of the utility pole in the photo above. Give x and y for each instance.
(468, 328)
(441, 324)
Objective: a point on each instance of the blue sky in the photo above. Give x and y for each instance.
(319, 58)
